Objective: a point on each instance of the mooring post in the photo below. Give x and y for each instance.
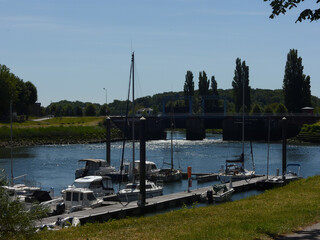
(284, 146)
(189, 178)
(142, 194)
(108, 120)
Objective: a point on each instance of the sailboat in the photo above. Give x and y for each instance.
(168, 174)
(234, 169)
(292, 173)
(132, 190)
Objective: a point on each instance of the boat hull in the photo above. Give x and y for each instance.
(134, 196)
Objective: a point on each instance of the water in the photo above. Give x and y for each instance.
(55, 165)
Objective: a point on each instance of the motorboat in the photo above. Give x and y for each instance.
(101, 186)
(132, 190)
(76, 199)
(219, 193)
(292, 174)
(94, 167)
(78, 195)
(222, 192)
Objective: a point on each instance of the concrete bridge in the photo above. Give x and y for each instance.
(212, 117)
(256, 126)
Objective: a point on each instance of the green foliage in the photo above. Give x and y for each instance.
(281, 109)
(256, 110)
(296, 86)
(90, 110)
(188, 89)
(12, 88)
(268, 109)
(15, 221)
(281, 6)
(203, 84)
(240, 81)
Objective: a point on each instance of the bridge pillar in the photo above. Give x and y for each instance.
(195, 129)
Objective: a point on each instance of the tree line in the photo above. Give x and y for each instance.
(14, 90)
(295, 94)
(296, 88)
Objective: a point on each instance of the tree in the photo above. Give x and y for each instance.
(78, 111)
(203, 84)
(240, 80)
(32, 93)
(15, 222)
(296, 86)
(188, 89)
(281, 109)
(103, 110)
(90, 110)
(306, 91)
(268, 110)
(214, 90)
(256, 109)
(281, 6)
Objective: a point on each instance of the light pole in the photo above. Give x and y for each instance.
(106, 95)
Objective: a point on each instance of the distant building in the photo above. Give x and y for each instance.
(144, 112)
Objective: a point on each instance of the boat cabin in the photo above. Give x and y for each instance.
(93, 167)
(101, 186)
(79, 198)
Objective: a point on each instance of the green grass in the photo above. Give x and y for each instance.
(310, 133)
(263, 216)
(76, 121)
(57, 130)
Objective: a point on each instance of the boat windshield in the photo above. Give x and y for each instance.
(131, 186)
(91, 197)
(81, 184)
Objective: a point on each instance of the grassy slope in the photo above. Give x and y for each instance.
(259, 217)
(74, 121)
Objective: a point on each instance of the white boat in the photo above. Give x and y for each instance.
(94, 167)
(219, 193)
(222, 193)
(151, 168)
(101, 186)
(167, 174)
(132, 190)
(76, 199)
(292, 174)
(235, 171)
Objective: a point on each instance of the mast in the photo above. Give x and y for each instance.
(171, 134)
(133, 113)
(243, 122)
(11, 142)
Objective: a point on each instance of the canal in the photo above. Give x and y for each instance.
(53, 166)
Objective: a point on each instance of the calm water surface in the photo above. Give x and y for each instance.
(55, 165)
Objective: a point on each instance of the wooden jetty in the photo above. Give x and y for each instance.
(117, 210)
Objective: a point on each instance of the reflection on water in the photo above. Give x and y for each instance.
(55, 165)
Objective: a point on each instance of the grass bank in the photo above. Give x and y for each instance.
(310, 133)
(56, 131)
(264, 216)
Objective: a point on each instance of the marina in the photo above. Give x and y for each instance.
(116, 210)
(174, 194)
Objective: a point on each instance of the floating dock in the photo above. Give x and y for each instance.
(117, 210)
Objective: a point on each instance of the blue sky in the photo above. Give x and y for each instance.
(72, 49)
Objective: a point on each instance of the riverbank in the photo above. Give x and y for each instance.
(54, 131)
(265, 216)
